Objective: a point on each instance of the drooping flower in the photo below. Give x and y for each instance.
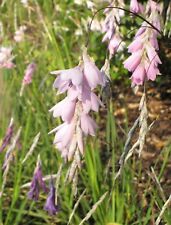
(8, 136)
(136, 7)
(19, 34)
(50, 205)
(96, 24)
(133, 61)
(28, 76)
(29, 73)
(138, 75)
(79, 83)
(37, 183)
(6, 58)
(116, 44)
(144, 61)
(91, 73)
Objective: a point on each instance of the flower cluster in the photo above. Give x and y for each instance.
(37, 184)
(6, 58)
(79, 83)
(111, 28)
(143, 62)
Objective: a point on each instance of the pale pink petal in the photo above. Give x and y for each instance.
(141, 8)
(92, 74)
(68, 77)
(135, 45)
(114, 44)
(152, 54)
(138, 75)
(69, 134)
(86, 91)
(64, 135)
(88, 125)
(29, 73)
(108, 35)
(8, 65)
(95, 102)
(133, 61)
(56, 128)
(134, 6)
(74, 74)
(64, 153)
(91, 101)
(152, 71)
(86, 106)
(60, 109)
(141, 30)
(73, 93)
(154, 42)
(61, 85)
(6, 58)
(62, 129)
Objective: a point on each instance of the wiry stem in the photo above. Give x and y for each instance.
(125, 10)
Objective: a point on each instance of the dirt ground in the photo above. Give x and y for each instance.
(159, 109)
